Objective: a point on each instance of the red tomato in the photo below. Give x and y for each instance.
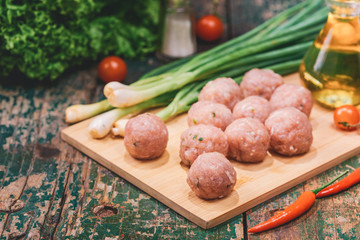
(209, 28)
(346, 115)
(112, 68)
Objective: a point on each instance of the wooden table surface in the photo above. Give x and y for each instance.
(49, 190)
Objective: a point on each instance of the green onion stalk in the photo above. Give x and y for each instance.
(189, 95)
(180, 104)
(79, 112)
(101, 125)
(279, 41)
(233, 54)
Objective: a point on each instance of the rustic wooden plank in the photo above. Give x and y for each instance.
(274, 175)
(245, 15)
(80, 89)
(339, 215)
(63, 185)
(138, 215)
(78, 183)
(335, 217)
(63, 200)
(37, 140)
(17, 158)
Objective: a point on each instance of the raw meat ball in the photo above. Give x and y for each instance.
(209, 113)
(146, 136)
(221, 90)
(290, 131)
(212, 176)
(248, 140)
(260, 82)
(199, 139)
(252, 107)
(291, 95)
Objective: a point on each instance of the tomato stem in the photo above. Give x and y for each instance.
(346, 124)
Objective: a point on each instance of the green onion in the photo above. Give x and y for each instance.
(182, 101)
(101, 125)
(278, 44)
(285, 42)
(180, 104)
(79, 112)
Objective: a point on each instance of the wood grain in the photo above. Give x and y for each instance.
(245, 15)
(61, 205)
(335, 217)
(165, 178)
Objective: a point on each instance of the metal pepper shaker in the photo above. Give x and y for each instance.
(178, 37)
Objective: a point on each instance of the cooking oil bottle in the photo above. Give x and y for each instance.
(331, 67)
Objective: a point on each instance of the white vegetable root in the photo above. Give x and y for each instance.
(119, 127)
(101, 125)
(113, 86)
(125, 97)
(78, 112)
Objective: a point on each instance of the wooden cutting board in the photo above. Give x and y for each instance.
(165, 178)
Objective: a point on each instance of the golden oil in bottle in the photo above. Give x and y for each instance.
(331, 67)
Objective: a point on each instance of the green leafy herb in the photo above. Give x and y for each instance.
(44, 38)
(200, 139)
(213, 113)
(194, 121)
(195, 136)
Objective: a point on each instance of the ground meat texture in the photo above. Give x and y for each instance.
(212, 176)
(221, 90)
(248, 140)
(291, 95)
(200, 139)
(260, 82)
(146, 136)
(209, 113)
(290, 131)
(252, 107)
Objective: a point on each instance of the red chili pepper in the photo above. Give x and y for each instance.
(342, 185)
(301, 205)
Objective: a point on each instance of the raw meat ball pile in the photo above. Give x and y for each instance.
(266, 114)
(230, 121)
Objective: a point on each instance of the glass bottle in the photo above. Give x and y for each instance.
(178, 37)
(331, 67)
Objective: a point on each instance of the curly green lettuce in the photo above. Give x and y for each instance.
(42, 39)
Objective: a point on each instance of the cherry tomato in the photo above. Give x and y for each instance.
(209, 28)
(112, 68)
(346, 115)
